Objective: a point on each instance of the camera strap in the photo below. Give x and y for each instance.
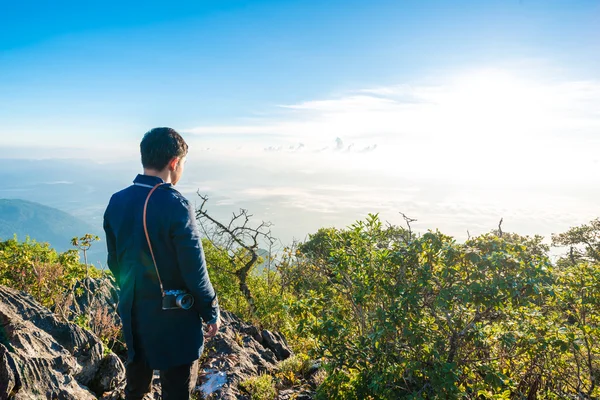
(148, 236)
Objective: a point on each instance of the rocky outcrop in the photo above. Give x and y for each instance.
(110, 375)
(92, 295)
(236, 353)
(241, 351)
(43, 357)
(276, 343)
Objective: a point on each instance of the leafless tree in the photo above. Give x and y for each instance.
(240, 238)
(408, 221)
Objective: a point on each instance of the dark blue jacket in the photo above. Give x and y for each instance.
(167, 338)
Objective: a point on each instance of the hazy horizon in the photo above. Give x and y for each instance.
(310, 201)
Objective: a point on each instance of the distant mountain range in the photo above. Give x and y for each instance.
(46, 224)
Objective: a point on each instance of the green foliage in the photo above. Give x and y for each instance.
(583, 242)
(272, 300)
(340, 385)
(51, 278)
(396, 316)
(40, 270)
(221, 271)
(297, 364)
(260, 387)
(272, 303)
(290, 372)
(426, 317)
(83, 321)
(84, 244)
(576, 335)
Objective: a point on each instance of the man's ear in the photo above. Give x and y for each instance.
(173, 163)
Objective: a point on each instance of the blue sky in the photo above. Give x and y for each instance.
(129, 65)
(313, 86)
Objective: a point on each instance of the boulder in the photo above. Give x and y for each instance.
(276, 343)
(10, 381)
(236, 353)
(111, 374)
(95, 294)
(43, 357)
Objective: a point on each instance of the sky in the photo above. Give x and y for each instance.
(311, 113)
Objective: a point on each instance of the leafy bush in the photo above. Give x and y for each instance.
(412, 317)
(51, 278)
(273, 300)
(296, 364)
(393, 315)
(260, 387)
(39, 270)
(291, 371)
(220, 271)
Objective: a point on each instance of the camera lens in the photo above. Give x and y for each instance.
(185, 301)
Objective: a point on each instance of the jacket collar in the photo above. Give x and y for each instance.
(147, 180)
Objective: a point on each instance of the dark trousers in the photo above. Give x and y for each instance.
(177, 383)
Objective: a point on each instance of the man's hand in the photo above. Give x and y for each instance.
(212, 329)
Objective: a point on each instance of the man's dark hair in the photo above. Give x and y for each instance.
(159, 146)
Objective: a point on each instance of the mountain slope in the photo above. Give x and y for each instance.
(42, 223)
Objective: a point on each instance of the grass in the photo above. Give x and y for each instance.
(260, 387)
(297, 365)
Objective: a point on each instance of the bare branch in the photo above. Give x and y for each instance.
(236, 235)
(408, 221)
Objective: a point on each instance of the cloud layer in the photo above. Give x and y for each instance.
(485, 118)
(457, 155)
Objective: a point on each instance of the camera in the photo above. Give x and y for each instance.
(177, 299)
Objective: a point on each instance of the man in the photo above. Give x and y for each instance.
(154, 247)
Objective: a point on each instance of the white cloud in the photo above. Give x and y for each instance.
(489, 122)
(59, 183)
(457, 155)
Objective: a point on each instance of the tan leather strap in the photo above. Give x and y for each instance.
(148, 236)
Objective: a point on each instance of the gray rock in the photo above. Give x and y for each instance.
(287, 394)
(235, 356)
(83, 345)
(294, 394)
(239, 351)
(43, 366)
(276, 342)
(10, 381)
(43, 357)
(103, 293)
(110, 375)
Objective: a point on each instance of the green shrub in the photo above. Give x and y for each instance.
(39, 270)
(297, 364)
(393, 315)
(291, 371)
(50, 277)
(403, 316)
(259, 387)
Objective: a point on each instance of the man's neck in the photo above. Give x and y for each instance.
(165, 175)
